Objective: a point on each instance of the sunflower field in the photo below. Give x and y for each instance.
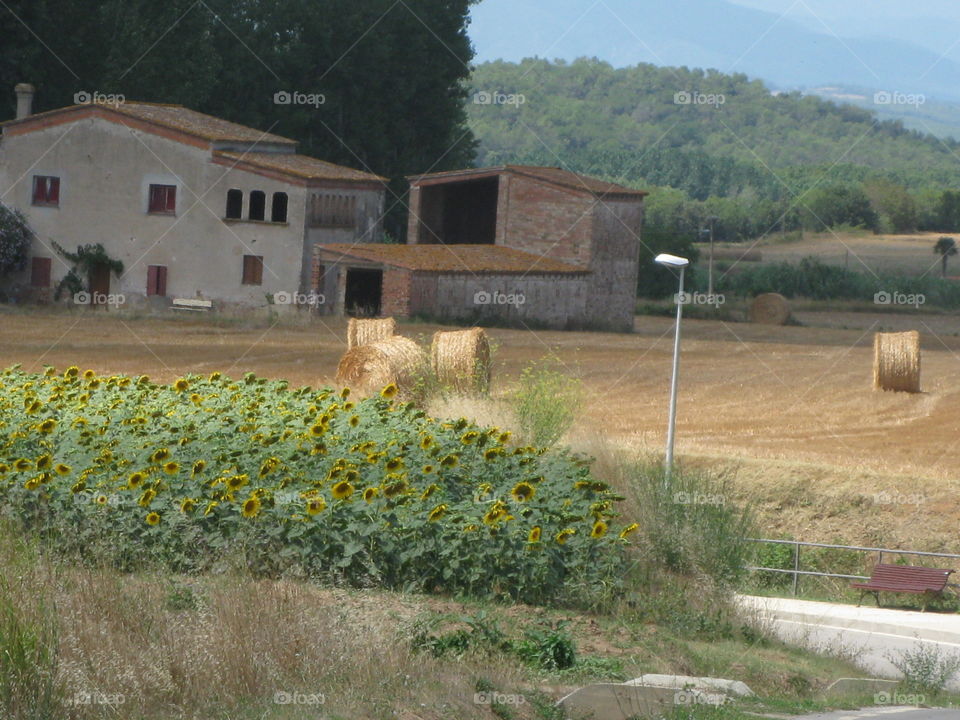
(210, 473)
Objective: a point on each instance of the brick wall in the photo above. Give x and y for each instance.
(615, 248)
(395, 299)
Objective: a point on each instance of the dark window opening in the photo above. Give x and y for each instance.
(278, 211)
(258, 204)
(339, 211)
(252, 270)
(40, 272)
(46, 190)
(99, 279)
(460, 212)
(364, 292)
(234, 204)
(163, 199)
(157, 280)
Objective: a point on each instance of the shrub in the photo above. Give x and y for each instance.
(547, 401)
(926, 668)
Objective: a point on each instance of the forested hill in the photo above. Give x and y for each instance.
(709, 135)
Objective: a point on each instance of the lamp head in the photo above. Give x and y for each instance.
(671, 260)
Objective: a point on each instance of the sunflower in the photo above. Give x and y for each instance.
(565, 535)
(33, 483)
(394, 464)
(599, 530)
(251, 507)
(101, 500)
(153, 518)
(345, 393)
(171, 468)
(188, 505)
(438, 512)
(522, 491)
(136, 480)
(582, 485)
(47, 426)
(469, 437)
(342, 490)
(471, 528)
(198, 467)
(315, 506)
(349, 406)
(426, 442)
(236, 482)
(317, 430)
(196, 398)
(22, 465)
(370, 493)
(390, 391)
(210, 507)
(503, 437)
(214, 376)
(354, 420)
(44, 462)
(492, 454)
(181, 385)
(123, 382)
(493, 515)
(62, 469)
(147, 498)
(450, 461)
(625, 533)
(534, 535)
(395, 488)
(268, 466)
(159, 455)
(428, 469)
(50, 371)
(87, 374)
(78, 486)
(431, 489)
(71, 372)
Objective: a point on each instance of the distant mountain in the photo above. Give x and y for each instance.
(721, 34)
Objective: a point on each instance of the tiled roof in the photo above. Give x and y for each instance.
(174, 117)
(299, 165)
(552, 175)
(450, 258)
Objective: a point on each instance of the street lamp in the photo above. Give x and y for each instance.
(672, 261)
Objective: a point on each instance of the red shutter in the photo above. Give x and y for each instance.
(171, 204)
(151, 280)
(39, 189)
(162, 280)
(53, 190)
(40, 272)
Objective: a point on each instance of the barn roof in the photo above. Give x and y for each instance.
(449, 258)
(551, 175)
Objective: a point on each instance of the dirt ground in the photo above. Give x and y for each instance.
(786, 408)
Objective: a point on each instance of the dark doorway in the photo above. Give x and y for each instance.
(460, 212)
(99, 284)
(364, 292)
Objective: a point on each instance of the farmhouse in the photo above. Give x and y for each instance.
(535, 245)
(192, 205)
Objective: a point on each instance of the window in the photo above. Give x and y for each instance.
(278, 212)
(333, 211)
(234, 204)
(258, 204)
(46, 190)
(163, 199)
(157, 280)
(252, 269)
(40, 272)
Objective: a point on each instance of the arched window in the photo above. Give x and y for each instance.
(258, 204)
(278, 213)
(234, 204)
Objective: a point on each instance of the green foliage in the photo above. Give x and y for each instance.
(834, 205)
(208, 472)
(772, 555)
(926, 668)
(549, 647)
(655, 281)
(945, 247)
(547, 401)
(15, 236)
(85, 259)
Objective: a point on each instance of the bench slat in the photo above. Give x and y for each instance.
(906, 578)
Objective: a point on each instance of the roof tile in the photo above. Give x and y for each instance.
(451, 258)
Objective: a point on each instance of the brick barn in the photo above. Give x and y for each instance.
(534, 246)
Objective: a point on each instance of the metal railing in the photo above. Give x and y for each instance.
(796, 572)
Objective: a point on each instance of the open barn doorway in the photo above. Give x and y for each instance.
(364, 292)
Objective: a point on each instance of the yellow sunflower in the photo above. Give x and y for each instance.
(22, 465)
(342, 490)
(317, 430)
(450, 461)
(438, 512)
(78, 486)
(390, 391)
(394, 464)
(522, 491)
(147, 498)
(565, 535)
(251, 507)
(136, 480)
(427, 469)
(236, 482)
(87, 374)
(198, 467)
(171, 468)
(471, 528)
(429, 491)
(47, 426)
(33, 483)
(632, 528)
(188, 505)
(426, 442)
(181, 385)
(101, 500)
(71, 372)
(534, 535)
(395, 488)
(469, 437)
(153, 518)
(599, 530)
(214, 376)
(316, 505)
(211, 506)
(62, 469)
(354, 420)
(370, 493)
(160, 455)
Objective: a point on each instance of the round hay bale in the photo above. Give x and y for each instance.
(363, 331)
(461, 360)
(896, 361)
(769, 309)
(367, 369)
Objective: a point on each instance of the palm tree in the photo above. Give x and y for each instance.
(945, 247)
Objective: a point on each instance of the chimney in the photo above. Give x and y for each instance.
(24, 93)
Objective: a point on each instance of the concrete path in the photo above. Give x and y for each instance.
(889, 713)
(866, 635)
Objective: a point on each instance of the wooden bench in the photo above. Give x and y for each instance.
(192, 304)
(927, 582)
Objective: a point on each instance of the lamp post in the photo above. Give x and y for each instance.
(713, 221)
(672, 261)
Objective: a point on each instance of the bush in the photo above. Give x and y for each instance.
(15, 237)
(926, 669)
(547, 402)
